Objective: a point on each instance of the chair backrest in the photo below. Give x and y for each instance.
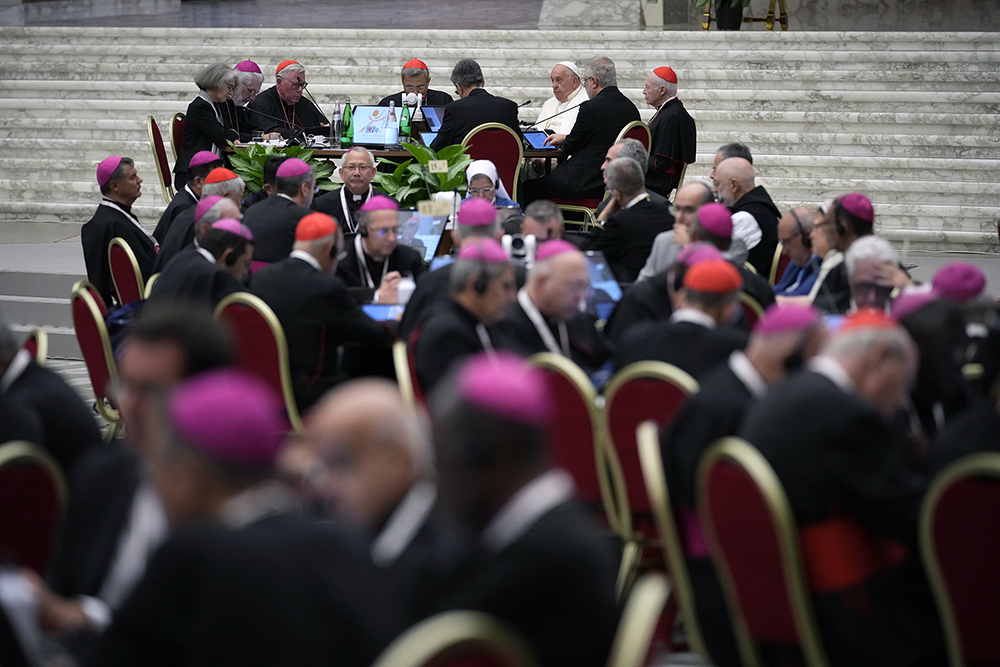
(149, 285)
(753, 540)
(751, 309)
(37, 343)
(499, 144)
(88, 287)
(644, 390)
(125, 272)
(160, 158)
(32, 493)
(636, 130)
(92, 335)
(458, 639)
(261, 347)
(176, 133)
(653, 472)
(778, 265)
(634, 638)
(960, 541)
(401, 363)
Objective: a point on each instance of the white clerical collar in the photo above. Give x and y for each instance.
(693, 316)
(831, 369)
(190, 192)
(307, 258)
(282, 194)
(527, 506)
(638, 198)
(262, 500)
(747, 373)
(405, 522)
(542, 327)
(206, 254)
(15, 369)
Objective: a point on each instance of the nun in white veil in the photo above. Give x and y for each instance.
(483, 181)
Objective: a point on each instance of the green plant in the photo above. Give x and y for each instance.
(701, 4)
(410, 183)
(248, 163)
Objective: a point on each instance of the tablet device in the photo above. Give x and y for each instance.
(537, 141)
(421, 232)
(381, 312)
(428, 137)
(605, 290)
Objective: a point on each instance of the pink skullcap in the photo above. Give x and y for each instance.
(959, 281)
(106, 168)
(693, 253)
(483, 250)
(416, 64)
(553, 248)
(858, 205)
(234, 226)
(291, 168)
(666, 74)
(247, 66)
(203, 157)
(505, 386)
(380, 203)
(201, 208)
(716, 218)
(788, 317)
(477, 212)
(910, 301)
(229, 415)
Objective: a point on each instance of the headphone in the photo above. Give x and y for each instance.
(806, 239)
(838, 225)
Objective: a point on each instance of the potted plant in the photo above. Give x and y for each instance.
(728, 13)
(410, 183)
(248, 163)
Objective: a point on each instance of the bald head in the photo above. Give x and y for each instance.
(793, 229)
(557, 284)
(733, 178)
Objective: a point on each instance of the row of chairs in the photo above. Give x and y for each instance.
(163, 171)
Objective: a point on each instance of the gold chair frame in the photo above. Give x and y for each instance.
(639, 619)
(769, 19)
(647, 436)
(108, 413)
(632, 124)
(167, 190)
(170, 133)
(773, 276)
(419, 645)
(284, 372)
(401, 364)
(149, 285)
(123, 244)
(750, 460)
(983, 464)
(517, 141)
(18, 450)
(41, 344)
(752, 302)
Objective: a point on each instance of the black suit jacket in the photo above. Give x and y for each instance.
(646, 300)
(433, 98)
(404, 259)
(193, 279)
(330, 204)
(96, 235)
(318, 316)
(446, 340)
(466, 114)
(587, 346)
(179, 237)
(974, 431)
(673, 143)
(597, 126)
(182, 200)
(627, 237)
(204, 132)
(691, 347)
(273, 222)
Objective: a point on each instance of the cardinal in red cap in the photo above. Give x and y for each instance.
(285, 108)
(416, 78)
(673, 139)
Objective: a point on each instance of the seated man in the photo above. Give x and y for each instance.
(482, 286)
(536, 562)
(546, 316)
(202, 276)
(558, 114)
(673, 136)
(543, 220)
(273, 220)
(202, 163)
(120, 187)
(627, 236)
(376, 260)
(417, 80)
(316, 311)
(663, 254)
(855, 493)
(357, 169)
(270, 173)
(796, 244)
(694, 338)
(248, 85)
(475, 107)
(755, 217)
(871, 266)
(282, 108)
(630, 148)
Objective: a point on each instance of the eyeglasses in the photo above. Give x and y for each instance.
(356, 167)
(296, 85)
(481, 191)
(689, 210)
(381, 233)
(231, 86)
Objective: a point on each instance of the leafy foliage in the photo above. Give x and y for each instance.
(410, 183)
(248, 163)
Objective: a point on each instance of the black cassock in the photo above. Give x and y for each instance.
(627, 237)
(673, 143)
(273, 222)
(194, 279)
(404, 259)
(331, 204)
(182, 200)
(179, 237)
(96, 235)
(645, 301)
(448, 338)
(588, 348)
(691, 347)
(433, 98)
(283, 118)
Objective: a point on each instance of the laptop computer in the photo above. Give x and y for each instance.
(605, 291)
(369, 125)
(428, 137)
(382, 312)
(421, 232)
(433, 116)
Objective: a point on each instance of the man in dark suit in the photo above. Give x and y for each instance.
(532, 557)
(673, 137)
(357, 169)
(694, 338)
(202, 163)
(120, 187)
(627, 237)
(417, 80)
(855, 493)
(475, 107)
(598, 124)
(274, 219)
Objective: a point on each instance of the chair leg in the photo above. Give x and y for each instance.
(707, 18)
(770, 15)
(629, 567)
(784, 15)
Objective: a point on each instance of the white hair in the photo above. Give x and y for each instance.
(294, 68)
(869, 248)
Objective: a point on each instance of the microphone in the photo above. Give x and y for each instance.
(267, 115)
(312, 99)
(523, 104)
(552, 116)
(410, 99)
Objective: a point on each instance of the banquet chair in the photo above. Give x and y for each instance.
(32, 495)
(92, 336)
(636, 130)
(176, 134)
(149, 285)
(87, 286)
(769, 19)
(754, 543)
(125, 273)
(401, 364)
(261, 347)
(37, 343)
(458, 639)
(633, 642)
(960, 545)
(163, 172)
(500, 145)
(778, 265)
(752, 310)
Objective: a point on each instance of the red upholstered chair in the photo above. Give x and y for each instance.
(89, 288)
(458, 639)
(778, 265)
(125, 273)
(585, 207)
(37, 343)
(163, 172)
(499, 144)
(149, 285)
(634, 639)
(754, 542)
(92, 335)
(261, 347)
(32, 492)
(176, 132)
(636, 130)
(645, 390)
(960, 541)
(751, 309)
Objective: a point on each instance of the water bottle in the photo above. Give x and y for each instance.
(335, 126)
(391, 128)
(347, 127)
(404, 123)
